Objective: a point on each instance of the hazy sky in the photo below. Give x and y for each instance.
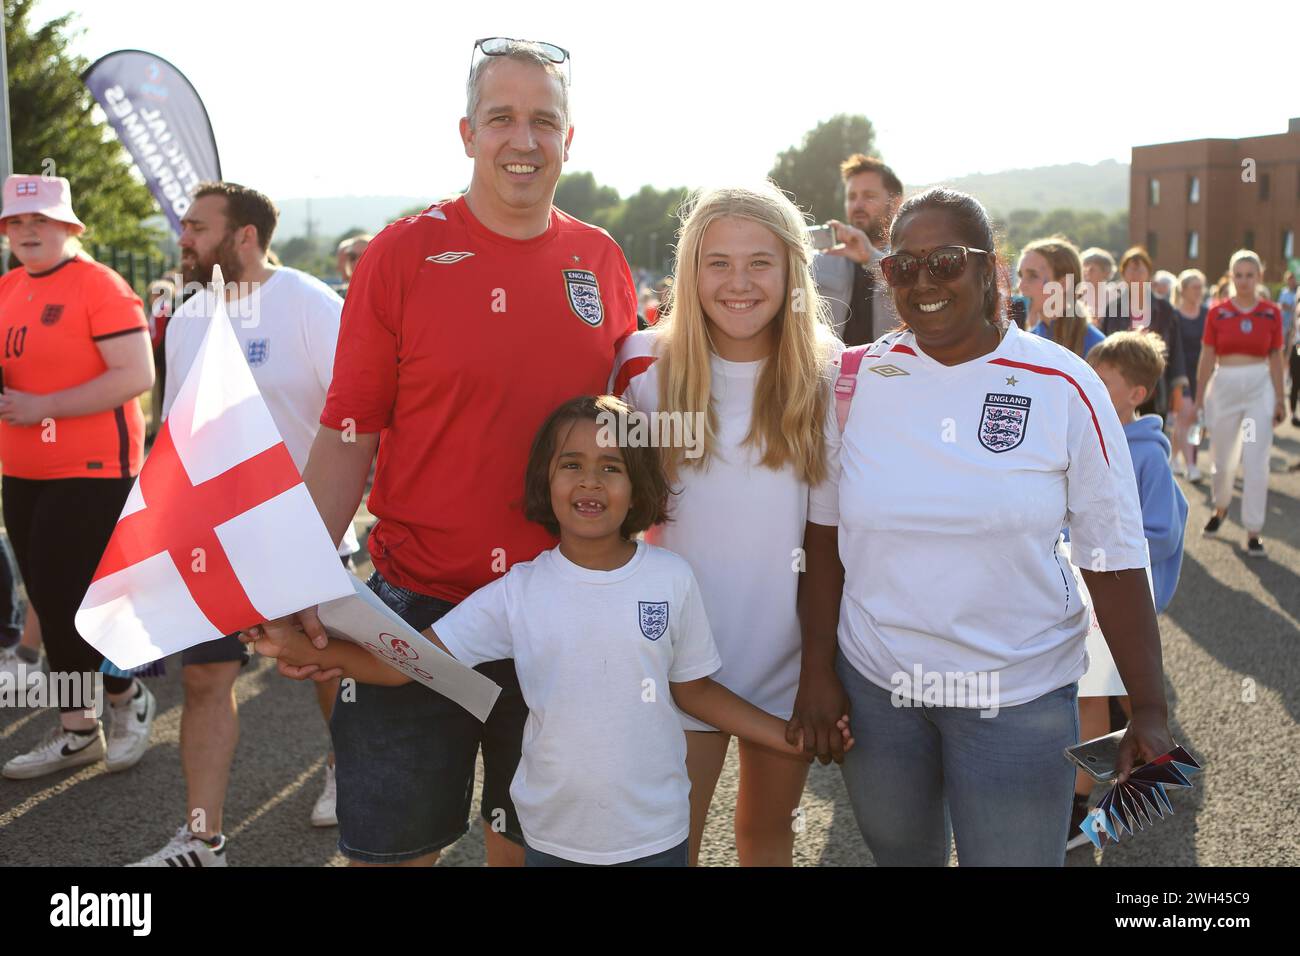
(362, 98)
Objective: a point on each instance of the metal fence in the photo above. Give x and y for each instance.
(136, 268)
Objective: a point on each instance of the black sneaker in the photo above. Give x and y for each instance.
(1076, 837)
(1295, 421)
(1255, 547)
(1212, 526)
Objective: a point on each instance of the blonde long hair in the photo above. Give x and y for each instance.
(790, 397)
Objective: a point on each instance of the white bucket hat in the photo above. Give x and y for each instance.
(51, 196)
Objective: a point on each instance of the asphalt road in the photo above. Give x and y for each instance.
(1232, 661)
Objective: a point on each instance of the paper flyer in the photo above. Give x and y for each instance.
(365, 620)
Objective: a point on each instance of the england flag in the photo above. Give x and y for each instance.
(219, 532)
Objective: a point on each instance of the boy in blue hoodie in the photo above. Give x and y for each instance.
(1130, 364)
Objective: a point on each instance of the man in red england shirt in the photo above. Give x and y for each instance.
(463, 328)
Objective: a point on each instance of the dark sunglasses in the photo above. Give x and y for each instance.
(945, 264)
(500, 46)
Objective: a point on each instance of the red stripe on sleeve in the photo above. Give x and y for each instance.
(630, 370)
(1044, 370)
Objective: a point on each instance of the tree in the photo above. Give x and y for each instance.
(349, 233)
(54, 132)
(811, 170)
(646, 224)
(1082, 227)
(580, 196)
(307, 254)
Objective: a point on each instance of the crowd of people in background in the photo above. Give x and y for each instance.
(820, 441)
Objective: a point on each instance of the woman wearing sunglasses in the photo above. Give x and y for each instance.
(968, 445)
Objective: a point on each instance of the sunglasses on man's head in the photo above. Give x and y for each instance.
(945, 264)
(500, 46)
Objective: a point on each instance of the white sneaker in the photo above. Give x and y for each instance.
(1194, 473)
(10, 663)
(59, 750)
(1179, 470)
(187, 851)
(323, 814)
(128, 730)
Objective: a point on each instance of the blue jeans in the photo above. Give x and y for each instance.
(675, 856)
(1002, 784)
(405, 755)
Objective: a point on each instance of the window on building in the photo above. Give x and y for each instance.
(1193, 244)
(1288, 244)
(1151, 245)
(1263, 187)
(1194, 189)
(1153, 191)
(1248, 241)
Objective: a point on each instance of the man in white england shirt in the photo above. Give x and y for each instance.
(287, 324)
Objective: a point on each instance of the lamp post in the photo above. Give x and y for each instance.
(6, 147)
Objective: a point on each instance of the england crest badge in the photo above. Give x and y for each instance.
(654, 618)
(584, 296)
(257, 351)
(1002, 426)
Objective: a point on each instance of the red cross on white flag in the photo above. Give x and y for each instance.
(219, 532)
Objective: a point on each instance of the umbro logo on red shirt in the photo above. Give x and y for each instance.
(447, 258)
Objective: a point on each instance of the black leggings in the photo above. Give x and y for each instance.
(59, 529)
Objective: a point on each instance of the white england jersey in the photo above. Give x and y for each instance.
(953, 486)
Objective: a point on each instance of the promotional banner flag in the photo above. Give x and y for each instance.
(161, 121)
(219, 532)
(368, 622)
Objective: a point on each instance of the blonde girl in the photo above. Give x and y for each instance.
(741, 365)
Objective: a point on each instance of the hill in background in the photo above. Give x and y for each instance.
(1102, 187)
(331, 215)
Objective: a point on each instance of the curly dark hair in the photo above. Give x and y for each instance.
(645, 469)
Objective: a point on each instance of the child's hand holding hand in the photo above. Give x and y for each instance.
(283, 641)
(842, 725)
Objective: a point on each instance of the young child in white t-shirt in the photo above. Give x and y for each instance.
(607, 634)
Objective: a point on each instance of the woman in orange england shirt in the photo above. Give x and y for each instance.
(74, 357)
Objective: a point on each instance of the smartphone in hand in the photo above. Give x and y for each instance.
(822, 237)
(1097, 757)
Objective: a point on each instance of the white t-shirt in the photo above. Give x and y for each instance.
(292, 329)
(602, 778)
(953, 486)
(740, 525)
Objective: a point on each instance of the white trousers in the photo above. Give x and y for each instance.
(1239, 413)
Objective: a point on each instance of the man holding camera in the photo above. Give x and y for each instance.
(859, 303)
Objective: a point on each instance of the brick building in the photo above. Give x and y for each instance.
(1194, 204)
